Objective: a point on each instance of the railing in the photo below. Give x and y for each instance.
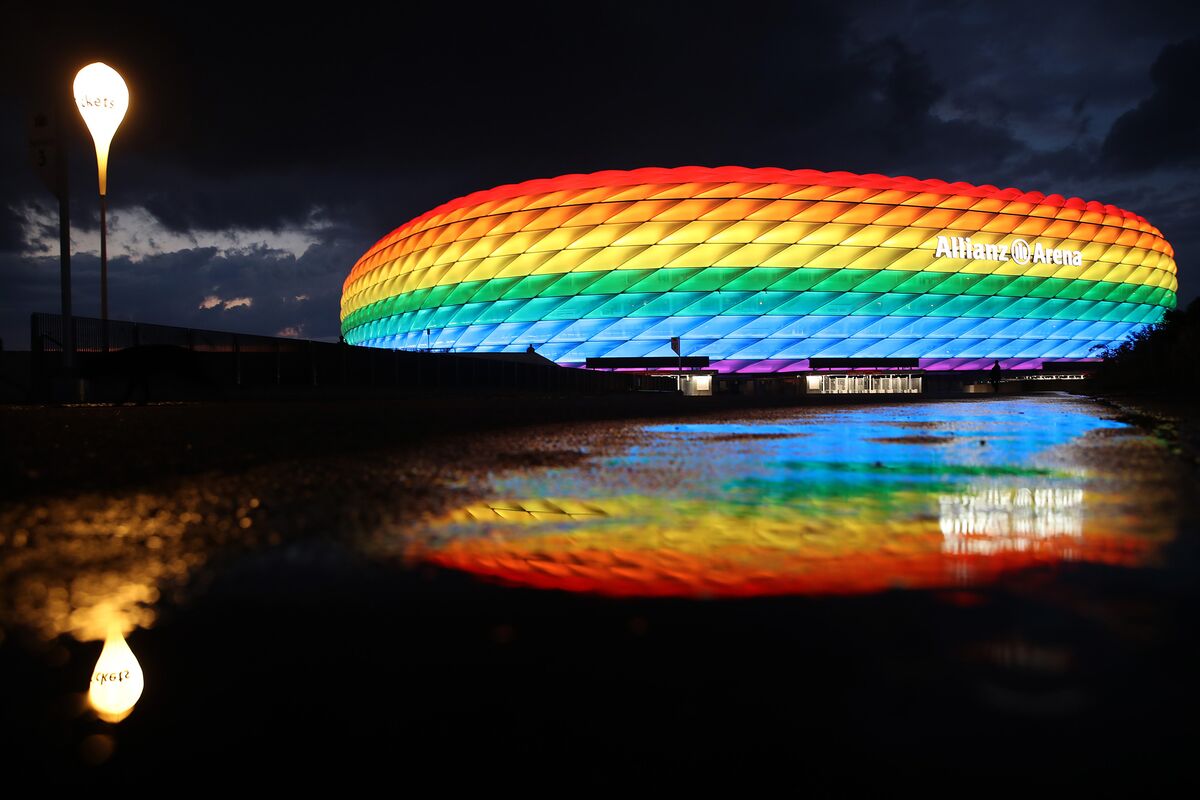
(47, 329)
(224, 360)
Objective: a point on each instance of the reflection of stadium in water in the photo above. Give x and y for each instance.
(925, 495)
(989, 518)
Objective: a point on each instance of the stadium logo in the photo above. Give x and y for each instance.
(1018, 251)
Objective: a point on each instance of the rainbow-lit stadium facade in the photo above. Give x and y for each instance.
(762, 270)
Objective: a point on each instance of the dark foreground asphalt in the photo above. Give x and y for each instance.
(286, 653)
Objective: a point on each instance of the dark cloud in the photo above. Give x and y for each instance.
(172, 288)
(1164, 129)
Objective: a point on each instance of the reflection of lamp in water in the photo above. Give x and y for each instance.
(117, 681)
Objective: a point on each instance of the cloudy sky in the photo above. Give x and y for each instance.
(264, 153)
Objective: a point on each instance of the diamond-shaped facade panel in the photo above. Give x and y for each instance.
(762, 269)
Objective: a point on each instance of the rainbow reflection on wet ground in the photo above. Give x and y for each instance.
(997, 593)
(950, 494)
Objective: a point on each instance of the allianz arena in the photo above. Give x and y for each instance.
(761, 270)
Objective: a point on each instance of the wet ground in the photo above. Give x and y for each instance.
(971, 594)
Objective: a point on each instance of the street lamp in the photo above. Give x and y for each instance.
(103, 99)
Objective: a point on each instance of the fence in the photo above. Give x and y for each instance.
(226, 360)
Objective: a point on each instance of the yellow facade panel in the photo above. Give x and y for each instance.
(979, 267)
(586, 256)
(796, 255)
(1036, 270)
(872, 258)
(1120, 273)
(752, 255)
(696, 232)
(741, 232)
(557, 239)
(564, 261)
(909, 238)
(653, 257)
(523, 264)
(871, 235)
(1096, 271)
(649, 233)
(703, 255)
(918, 260)
(831, 233)
(512, 244)
(458, 272)
(432, 276)
(603, 235)
(488, 268)
(787, 232)
(1009, 268)
(835, 258)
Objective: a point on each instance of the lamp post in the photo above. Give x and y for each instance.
(102, 98)
(677, 346)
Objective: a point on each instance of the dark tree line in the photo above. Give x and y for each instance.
(1161, 358)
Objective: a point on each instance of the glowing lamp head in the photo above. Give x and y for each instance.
(117, 681)
(103, 99)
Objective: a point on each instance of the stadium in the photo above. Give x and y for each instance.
(763, 271)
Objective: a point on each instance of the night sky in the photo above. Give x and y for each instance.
(264, 153)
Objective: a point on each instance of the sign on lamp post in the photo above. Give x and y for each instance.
(102, 98)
